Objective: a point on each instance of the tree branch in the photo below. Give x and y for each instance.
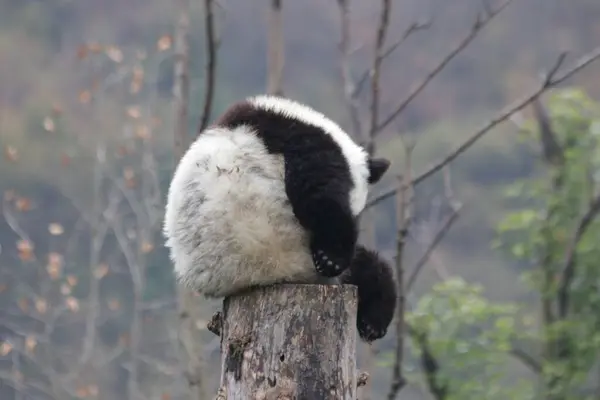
(550, 81)
(475, 29)
(412, 28)
(348, 83)
(384, 22)
(404, 210)
(276, 49)
(526, 359)
(429, 365)
(440, 234)
(181, 89)
(569, 264)
(211, 66)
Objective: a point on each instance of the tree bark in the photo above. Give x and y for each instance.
(290, 342)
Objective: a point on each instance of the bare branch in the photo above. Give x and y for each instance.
(549, 82)
(404, 209)
(552, 151)
(349, 86)
(430, 365)
(526, 359)
(475, 29)
(211, 67)
(181, 89)
(384, 21)
(276, 49)
(440, 234)
(569, 263)
(412, 28)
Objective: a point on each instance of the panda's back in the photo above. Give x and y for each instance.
(228, 221)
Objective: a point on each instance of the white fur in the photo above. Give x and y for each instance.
(355, 155)
(228, 221)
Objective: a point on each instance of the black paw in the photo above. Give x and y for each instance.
(327, 264)
(370, 330)
(377, 294)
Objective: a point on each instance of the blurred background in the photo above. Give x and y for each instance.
(499, 250)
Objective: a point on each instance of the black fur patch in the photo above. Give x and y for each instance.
(377, 293)
(317, 181)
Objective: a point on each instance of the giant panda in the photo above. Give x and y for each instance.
(272, 193)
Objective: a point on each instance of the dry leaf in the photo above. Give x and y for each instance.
(82, 51)
(65, 289)
(95, 47)
(5, 349)
(30, 343)
(56, 229)
(114, 304)
(164, 43)
(72, 303)
(165, 396)
(72, 280)
(41, 306)
(82, 391)
(134, 112)
(3, 287)
(49, 124)
(65, 160)
(54, 266)
(23, 304)
(137, 80)
(85, 96)
(93, 390)
(23, 204)
(11, 153)
(101, 271)
(128, 173)
(114, 53)
(142, 132)
(147, 247)
(25, 248)
(57, 109)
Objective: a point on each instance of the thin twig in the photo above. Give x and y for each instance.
(440, 234)
(404, 210)
(569, 263)
(348, 83)
(550, 82)
(430, 365)
(475, 29)
(384, 22)
(211, 67)
(181, 89)
(276, 57)
(412, 28)
(526, 359)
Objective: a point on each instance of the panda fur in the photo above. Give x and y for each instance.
(271, 193)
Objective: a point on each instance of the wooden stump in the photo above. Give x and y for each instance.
(290, 342)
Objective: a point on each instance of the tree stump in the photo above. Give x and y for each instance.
(290, 342)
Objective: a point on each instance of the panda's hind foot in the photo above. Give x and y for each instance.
(377, 294)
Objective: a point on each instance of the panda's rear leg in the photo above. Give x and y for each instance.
(377, 293)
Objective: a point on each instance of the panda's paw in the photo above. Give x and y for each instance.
(328, 265)
(371, 329)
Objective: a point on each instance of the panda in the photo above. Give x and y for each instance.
(272, 193)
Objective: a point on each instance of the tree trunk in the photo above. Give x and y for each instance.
(290, 342)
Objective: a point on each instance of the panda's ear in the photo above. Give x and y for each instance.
(377, 167)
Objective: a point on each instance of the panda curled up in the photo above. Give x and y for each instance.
(272, 193)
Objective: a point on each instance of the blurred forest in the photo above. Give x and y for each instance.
(88, 305)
